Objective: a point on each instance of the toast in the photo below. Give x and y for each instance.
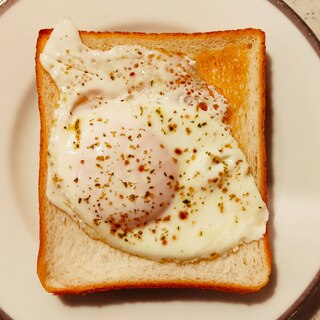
(70, 262)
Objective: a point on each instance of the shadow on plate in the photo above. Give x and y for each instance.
(24, 158)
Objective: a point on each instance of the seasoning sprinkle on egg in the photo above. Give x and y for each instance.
(139, 153)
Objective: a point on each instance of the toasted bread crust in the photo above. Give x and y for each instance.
(41, 266)
(198, 52)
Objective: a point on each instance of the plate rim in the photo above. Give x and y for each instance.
(307, 304)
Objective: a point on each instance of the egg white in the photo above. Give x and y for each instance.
(211, 206)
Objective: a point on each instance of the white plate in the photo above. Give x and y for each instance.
(293, 145)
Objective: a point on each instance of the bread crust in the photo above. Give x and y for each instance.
(155, 41)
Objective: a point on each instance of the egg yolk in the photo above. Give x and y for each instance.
(124, 174)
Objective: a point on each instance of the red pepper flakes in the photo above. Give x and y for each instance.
(178, 151)
(183, 215)
(203, 106)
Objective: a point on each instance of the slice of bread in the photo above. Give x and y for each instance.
(71, 262)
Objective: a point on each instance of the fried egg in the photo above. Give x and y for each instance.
(139, 154)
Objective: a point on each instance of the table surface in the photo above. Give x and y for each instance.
(309, 11)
